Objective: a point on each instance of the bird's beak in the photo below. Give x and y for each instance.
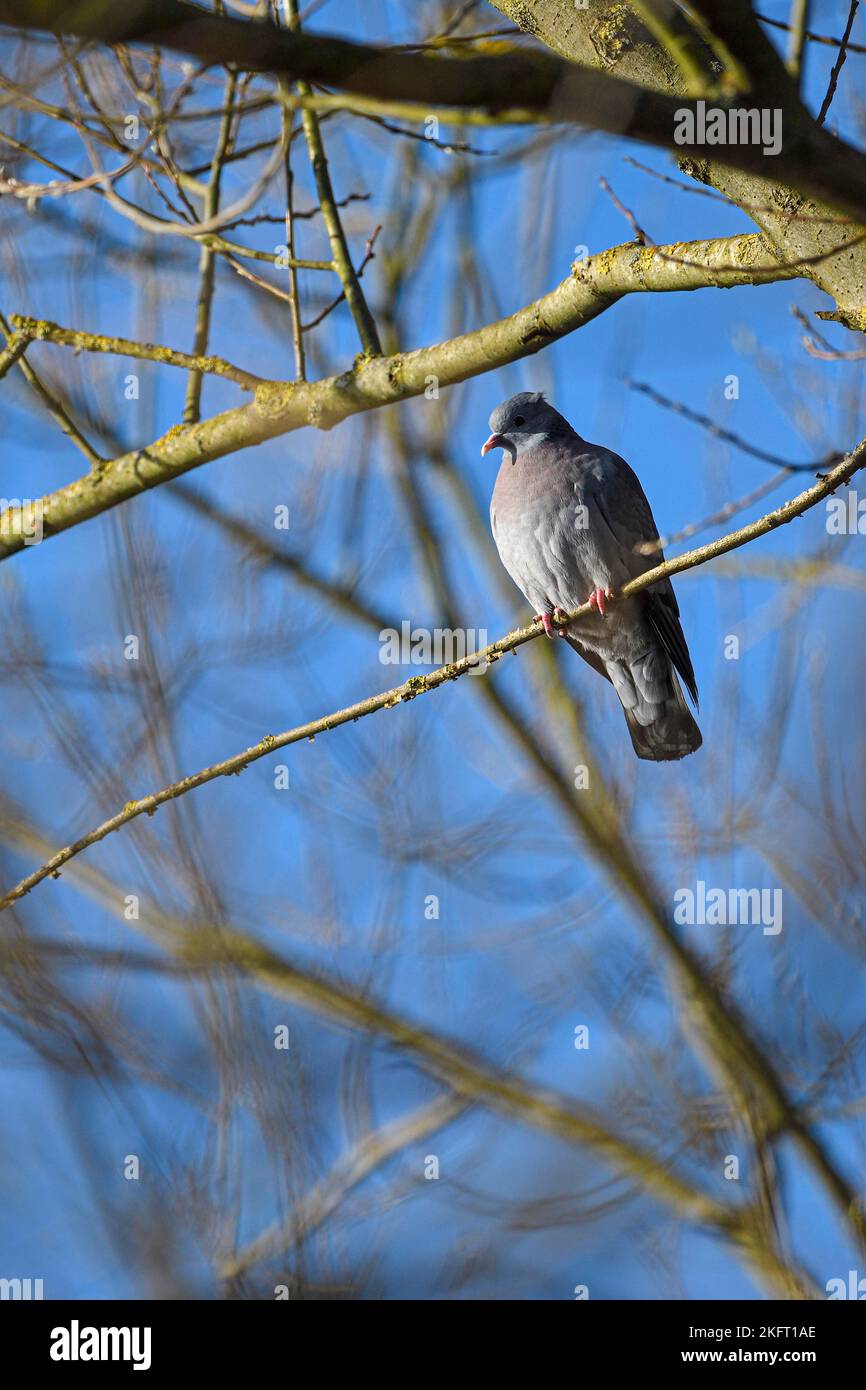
(494, 442)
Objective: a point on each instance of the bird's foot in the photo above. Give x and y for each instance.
(598, 597)
(546, 619)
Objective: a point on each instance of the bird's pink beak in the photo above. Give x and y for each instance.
(493, 442)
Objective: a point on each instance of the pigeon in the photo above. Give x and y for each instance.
(569, 519)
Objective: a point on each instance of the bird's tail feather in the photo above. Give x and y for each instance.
(661, 725)
(671, 734)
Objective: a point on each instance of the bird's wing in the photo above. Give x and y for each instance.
(625, 520)
(624, 512)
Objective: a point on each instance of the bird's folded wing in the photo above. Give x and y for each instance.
(624, 513)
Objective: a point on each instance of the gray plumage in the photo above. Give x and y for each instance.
(568, 518)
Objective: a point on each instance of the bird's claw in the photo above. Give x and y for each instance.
(546, 619)
(597, 599)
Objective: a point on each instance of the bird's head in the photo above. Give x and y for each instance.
(520, 423)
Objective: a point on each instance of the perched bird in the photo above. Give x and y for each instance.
(569, 519)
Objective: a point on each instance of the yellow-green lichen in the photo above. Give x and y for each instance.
(170, 435)
(395, 375)
(273, 397)
(605, 261)
(746, 250)
(415, 685)
(643, 259)
(614, 33)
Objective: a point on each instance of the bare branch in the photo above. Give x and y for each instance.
(511, 87)
(29, 330)
(280, 407)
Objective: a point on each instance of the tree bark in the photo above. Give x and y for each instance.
(611, 38)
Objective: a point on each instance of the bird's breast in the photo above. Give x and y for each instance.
(544, 546)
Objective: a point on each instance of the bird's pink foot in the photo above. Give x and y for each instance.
(546, 619)
(598, 597)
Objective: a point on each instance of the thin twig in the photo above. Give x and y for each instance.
(718, 518)
(275, 290)
(287, 133)
(643, 237)
(817, 346)
(352, 292)
(15, 348)
(788, 214)
(797, 38)
(55, 408)
(839, 63)
(719, 432)
(812, 36)
(446, 146)
(298, 214)
(207, 259)
(369, 255)
(43, 331)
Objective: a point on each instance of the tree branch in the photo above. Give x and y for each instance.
(207, 258)
(352, 292)
(510, 87)
(280, 407)
(612, 39)
(29, 330)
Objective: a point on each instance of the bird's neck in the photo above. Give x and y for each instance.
(551, 436)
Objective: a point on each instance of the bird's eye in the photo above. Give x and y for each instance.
(519, 420)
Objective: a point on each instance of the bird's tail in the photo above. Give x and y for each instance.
(672, 734)
(660, 722)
